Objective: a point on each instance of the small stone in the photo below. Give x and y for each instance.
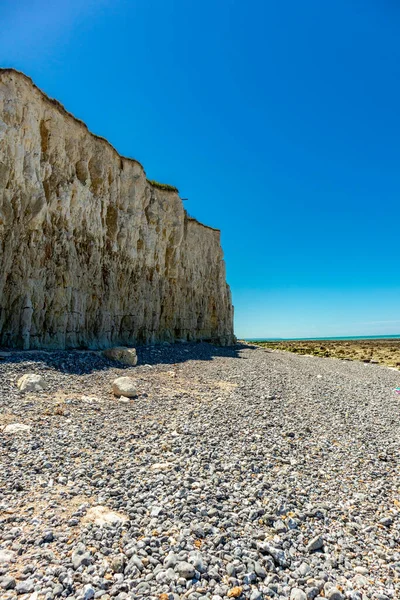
(124, 355)
(101, 515)
(80, 557)
(280, 526)
(185, 570)
(297, 594)
(7, 583)
(304, 569)
(360, 581)
(250, 578)
(170, 560)
(256, 594)
(16, 428)
(88, 592)
(25, 587)
(156, 511)
(234, 592)
(118, 563)
(48, 536)
(334, 594)
(278, 555)
(161, 466)
(134, 563)
(124, 386)
(260, 571)
(312, 592)
(386, 521)
(315, 544)
(6, 556)
(30, 382)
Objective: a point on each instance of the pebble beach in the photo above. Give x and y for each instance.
(236, 472)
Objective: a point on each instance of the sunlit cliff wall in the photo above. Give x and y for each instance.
(91, 253)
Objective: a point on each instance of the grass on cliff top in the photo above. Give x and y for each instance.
(383, 352)
(163, 186)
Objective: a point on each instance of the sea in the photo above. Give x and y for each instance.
(317, 339)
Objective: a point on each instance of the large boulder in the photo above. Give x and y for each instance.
(124, 355)
(30, 382)
(124, 386)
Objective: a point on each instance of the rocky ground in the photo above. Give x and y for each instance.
(235, 473)
(382, 351)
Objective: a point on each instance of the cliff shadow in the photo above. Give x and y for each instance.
(84, 362)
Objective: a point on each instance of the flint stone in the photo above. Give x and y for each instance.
(88, 592)
(334, 594)
(297, 594)
(7, 583)
(185, 570)
(278, 555)
(25, 587)
(80, 557)
(315, 544)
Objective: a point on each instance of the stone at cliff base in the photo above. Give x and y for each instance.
(124, 355)
(124, 386)
(17, 428)
(31, 383)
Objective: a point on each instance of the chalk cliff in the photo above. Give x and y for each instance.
(91, 253)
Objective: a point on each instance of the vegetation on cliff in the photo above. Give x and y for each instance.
(163, 186)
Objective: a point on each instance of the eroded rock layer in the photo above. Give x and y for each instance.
(91, 253)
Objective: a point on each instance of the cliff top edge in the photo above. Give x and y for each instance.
(55, 103)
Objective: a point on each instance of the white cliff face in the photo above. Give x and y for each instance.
(92, 254)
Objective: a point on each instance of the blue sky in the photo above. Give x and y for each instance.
(280, 122)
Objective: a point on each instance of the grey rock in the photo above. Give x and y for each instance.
(256, 594)
(7, 582)
(334, 594)
(185, 569)
(81, 558)
(88, 592)
(25, 587)
(315, 544)
(134, 562)
(118, 563)
(297, 594)
(277, 554)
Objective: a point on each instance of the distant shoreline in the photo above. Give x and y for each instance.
(321, 339)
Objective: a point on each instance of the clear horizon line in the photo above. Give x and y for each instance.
(318, 337)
